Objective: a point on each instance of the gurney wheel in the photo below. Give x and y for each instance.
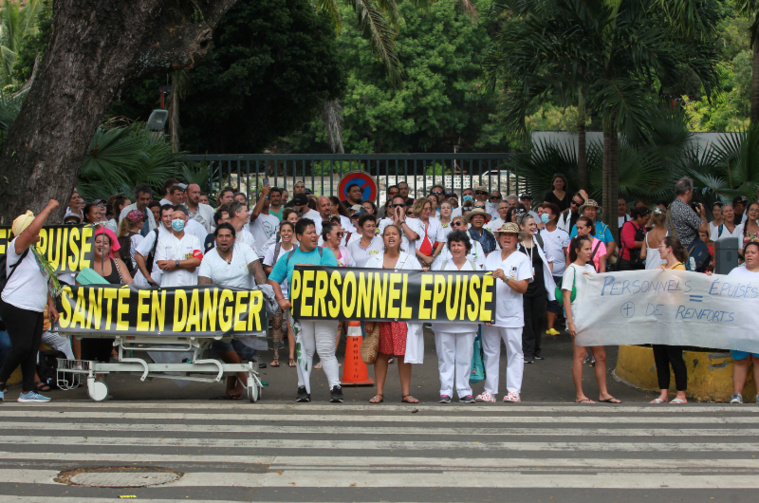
(254, 388)
(98, 390)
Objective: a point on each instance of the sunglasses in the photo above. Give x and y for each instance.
(480, 207)
(436, 192)
(495, 198)
(481, 193)
(409, 213)
(456, 224)
(397, 205)
(575, 203)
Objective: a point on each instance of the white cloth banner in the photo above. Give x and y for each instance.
(676, 308)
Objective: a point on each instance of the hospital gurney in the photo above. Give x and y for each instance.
(71, 373)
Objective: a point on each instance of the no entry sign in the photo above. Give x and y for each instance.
(365, 182)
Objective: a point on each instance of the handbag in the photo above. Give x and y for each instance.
(699, 257)
(478, 366)
(560, 293)
(370, 346)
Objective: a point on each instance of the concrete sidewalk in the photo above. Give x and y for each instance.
(549, 380)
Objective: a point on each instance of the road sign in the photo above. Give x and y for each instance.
(365, 182)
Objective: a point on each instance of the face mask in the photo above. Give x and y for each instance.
(468, 198)
(544, 218)
(177, 225)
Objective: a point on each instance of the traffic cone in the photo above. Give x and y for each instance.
(354, 368)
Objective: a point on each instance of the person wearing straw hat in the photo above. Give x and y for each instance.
(592, 209)
(513, 273)
(477, 231)
(24, 299)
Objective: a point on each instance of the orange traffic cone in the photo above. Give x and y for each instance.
(354, 369)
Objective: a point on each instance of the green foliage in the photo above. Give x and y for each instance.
(437, 169)
(329, 168)
(442, 102)
(122, 156)
(16, 23)
(272, 64)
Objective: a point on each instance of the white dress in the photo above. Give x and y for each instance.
(653, 259)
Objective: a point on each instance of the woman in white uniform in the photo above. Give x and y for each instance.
(514, 271)
(454, 342)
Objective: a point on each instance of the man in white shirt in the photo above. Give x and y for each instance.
(500, 219)
(555, 244)
(622, 215)
(142, 197)
(238, 217)
(144, 257)
(201, 213)
(167, 185)
(263, 225)
(178, 255)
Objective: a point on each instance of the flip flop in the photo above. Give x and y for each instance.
(658, 400)
(375, 400)
(677, 401)
(611, 400)
(585, 401)
(41, 386)
(275, 363)
(291, 362)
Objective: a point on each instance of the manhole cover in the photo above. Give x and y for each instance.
(118, 476)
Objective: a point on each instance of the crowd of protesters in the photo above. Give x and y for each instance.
(177, 238)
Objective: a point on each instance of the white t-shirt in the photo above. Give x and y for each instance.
(743, 273)
(737, 233)
(27, 288)
(196, 229)
(554, 244)
(434, 232)
(245, 237)
(448, 265)
(136, 240)
(317, 218)
(262, 229)
(575, 275)
(171, 248)
(234, 274)
(509, 310)
(494, 224)
(476, 255)
(360, 255)
(144, 248)
(270, 260)
(133, 206)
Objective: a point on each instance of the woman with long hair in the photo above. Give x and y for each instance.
(751, 227)
(580, 251)
(558, 194)
(129, 238)
(541, 286)
(397, 338)
(654, 237)
(279, 322)
(675, 256)
(586, 227)
(446, 214)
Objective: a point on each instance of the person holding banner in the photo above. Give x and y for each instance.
(455, 342)
(397, 338)
(674, 255)
(742, 359)
(580, 252)
(515, 272)
(24, 298)
(286, 243)
(311, 336)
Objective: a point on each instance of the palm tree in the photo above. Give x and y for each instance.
(617, 55)
(750, 8)
(16, 22)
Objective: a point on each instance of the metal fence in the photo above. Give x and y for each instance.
(322, 172)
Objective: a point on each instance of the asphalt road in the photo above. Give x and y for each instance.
(545, 449)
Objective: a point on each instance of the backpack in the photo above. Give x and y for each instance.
(292, 252)
(47, 368)
(126, 252)
(4, 277)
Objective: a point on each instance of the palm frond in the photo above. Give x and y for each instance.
(380, 32)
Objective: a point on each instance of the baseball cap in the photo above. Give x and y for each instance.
(300, 199)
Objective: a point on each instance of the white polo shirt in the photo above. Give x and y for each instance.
(171, 248)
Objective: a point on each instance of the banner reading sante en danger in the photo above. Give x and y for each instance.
(331, 293)
(679, 308)
(129, 310)
(67, 247)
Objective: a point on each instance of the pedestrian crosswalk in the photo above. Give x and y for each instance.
(321, 452)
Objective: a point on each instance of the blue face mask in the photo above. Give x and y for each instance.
(468, 198)
(544, 218)
(177, 225)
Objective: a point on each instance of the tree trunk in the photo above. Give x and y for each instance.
(755, 84)
(96, 47)
(611, 175)
(582, 146)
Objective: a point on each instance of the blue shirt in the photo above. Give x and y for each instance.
(284, 269)
(602, 232)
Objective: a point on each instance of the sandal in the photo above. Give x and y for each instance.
(586, 401)
(408, 399)
(377, 399)
(291, 362)
(274, 363)
(678, 401)
(318, 365)
(658, 400)
(41, 386)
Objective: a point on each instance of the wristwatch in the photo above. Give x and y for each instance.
(176, 263)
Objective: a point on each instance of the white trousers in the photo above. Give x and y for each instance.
(319, 337)
(454, 359)
(491, 346)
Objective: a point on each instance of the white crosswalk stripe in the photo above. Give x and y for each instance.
(225, 451)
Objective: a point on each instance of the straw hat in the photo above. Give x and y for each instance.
(591, 203)
(477, 211)
(509, 228)
(22, 222)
